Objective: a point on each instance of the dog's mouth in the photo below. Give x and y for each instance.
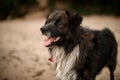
(50, 41)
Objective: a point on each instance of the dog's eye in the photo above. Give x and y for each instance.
(59, 23)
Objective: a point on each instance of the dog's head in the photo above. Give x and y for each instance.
(59, 25)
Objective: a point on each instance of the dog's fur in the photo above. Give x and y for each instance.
(79, 53)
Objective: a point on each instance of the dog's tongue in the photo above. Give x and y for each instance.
(49, 41)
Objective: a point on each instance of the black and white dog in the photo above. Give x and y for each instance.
(79, 53)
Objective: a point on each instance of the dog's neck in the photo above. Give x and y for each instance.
(55, 51)
(65, 63)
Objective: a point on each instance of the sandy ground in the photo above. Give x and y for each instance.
(23, 56)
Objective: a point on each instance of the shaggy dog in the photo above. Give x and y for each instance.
(79, 53)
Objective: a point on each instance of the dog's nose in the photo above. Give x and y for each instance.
(43, 29)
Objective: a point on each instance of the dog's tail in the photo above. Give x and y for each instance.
(108, 33)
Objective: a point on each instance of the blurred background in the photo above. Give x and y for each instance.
(19, 8)
(22, 54)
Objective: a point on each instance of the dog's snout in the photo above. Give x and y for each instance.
(44, 29)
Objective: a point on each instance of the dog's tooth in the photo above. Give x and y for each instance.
(57, 39)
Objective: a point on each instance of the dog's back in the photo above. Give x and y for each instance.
(105, 42)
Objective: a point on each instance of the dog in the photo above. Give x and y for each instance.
(78, 52)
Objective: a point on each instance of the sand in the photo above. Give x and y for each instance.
(23, 56)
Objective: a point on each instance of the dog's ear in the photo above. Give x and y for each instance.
(74, 18)
(69, 13)
(77, 19)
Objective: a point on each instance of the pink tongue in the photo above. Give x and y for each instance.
(49, 41)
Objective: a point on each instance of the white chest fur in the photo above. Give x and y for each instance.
(65, 63)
